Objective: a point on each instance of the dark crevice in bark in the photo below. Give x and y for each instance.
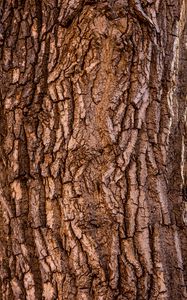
(91, 152)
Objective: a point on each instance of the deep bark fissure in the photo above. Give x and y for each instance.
(93, 150)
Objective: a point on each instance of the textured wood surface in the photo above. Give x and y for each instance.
(92, 150)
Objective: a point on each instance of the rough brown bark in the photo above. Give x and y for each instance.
(92, 150)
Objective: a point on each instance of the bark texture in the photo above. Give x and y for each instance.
(92, 150)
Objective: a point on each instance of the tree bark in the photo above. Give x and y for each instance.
(93, 181)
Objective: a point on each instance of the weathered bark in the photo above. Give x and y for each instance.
(92, 150)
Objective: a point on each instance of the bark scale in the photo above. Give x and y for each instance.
(92, 150)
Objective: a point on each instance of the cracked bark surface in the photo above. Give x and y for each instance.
(93, 150)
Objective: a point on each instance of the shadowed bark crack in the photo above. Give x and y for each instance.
(93, 150)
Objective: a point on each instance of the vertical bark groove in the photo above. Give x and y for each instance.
(93, 150)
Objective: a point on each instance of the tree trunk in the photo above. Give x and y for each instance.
(93, 178)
